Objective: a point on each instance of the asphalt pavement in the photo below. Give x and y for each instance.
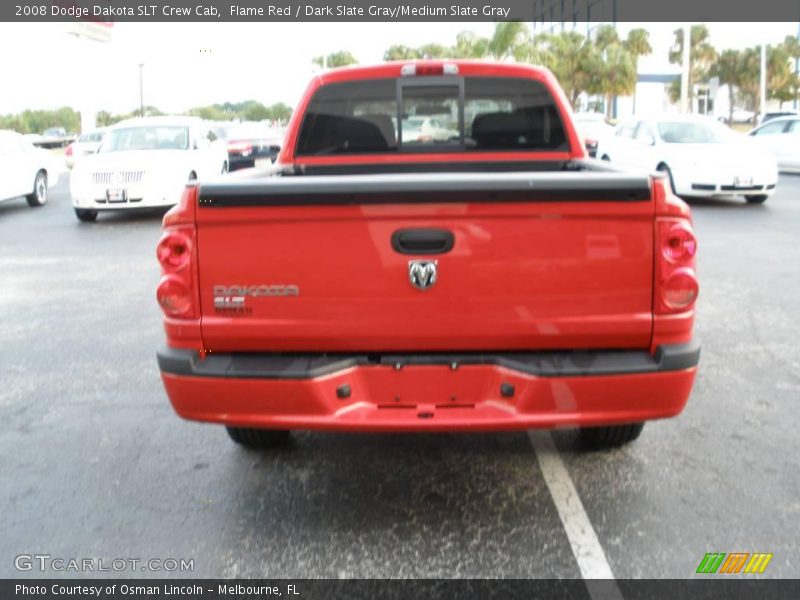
(95, 463)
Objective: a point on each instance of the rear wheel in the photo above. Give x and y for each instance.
(39, 195)
(611, 436)
(86, 216)
(258, 438)
(759, 199)
(605, 157)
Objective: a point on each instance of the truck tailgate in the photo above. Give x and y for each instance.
(538, 261)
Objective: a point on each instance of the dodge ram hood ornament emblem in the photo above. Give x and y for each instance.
(422, 273)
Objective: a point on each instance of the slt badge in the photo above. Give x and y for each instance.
(422, 273)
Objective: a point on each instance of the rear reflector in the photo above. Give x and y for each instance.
(173, 296)
(429, 69)
(680, 290)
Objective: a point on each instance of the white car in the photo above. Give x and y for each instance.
(781, 138)
(25, 170)
(700, 156)
(592, 127)
(87, 143)
(145, 163)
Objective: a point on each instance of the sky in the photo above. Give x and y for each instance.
(195, 64)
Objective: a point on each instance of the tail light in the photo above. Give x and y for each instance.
(676, 286)
(240, 147)
(176, 252)
(69, 150)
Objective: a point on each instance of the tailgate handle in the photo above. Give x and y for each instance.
(423, 241)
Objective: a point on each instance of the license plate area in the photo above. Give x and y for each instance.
(743, 181)
(116, 195)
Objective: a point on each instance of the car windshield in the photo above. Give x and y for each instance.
(683, 132)
(153, 137)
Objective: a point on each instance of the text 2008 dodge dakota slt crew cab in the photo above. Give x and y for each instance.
(433, 252)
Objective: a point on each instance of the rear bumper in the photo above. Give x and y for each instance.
(430, 392)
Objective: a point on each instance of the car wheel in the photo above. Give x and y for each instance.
(192, 176)
(606, 157)
(759, 199)
(612, 436)
(665, 169)
(39, 195)
(258, 438)
(224, 167)
(86, 216)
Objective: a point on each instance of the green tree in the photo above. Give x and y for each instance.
(507, 37)
(701, 57)
(400, 52)
(572, 58)
(342, 58)
(280, 112)
(470, 45)
(728, 68)
(434, 51)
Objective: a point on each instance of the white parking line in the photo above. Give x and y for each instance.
(581, 535)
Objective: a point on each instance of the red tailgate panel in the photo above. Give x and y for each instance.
(520, 276)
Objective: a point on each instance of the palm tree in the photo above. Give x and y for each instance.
(573, 59)
(638, 44)
(728, 69)
(616, 74)
(506, 38)
(469, 45)
(701, 57)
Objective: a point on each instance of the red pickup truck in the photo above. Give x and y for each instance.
(432, 251)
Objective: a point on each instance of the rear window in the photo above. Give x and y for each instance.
(441, 114)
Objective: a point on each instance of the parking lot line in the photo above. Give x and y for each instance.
(581, 535)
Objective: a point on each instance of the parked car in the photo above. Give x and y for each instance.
(700, 156)
(774, 115)
(248, 142)
(145, 162)
(738, 115)
(374, 283)
(592, 127)
(781, 137)
(53, 137)
(428, 128)
(87, 143)
(25, 170)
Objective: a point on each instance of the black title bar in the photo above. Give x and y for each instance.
(544, 11)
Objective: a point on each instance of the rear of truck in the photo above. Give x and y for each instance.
(433, 252)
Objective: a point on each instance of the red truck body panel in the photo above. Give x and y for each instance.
(581, 278)
(553, 279)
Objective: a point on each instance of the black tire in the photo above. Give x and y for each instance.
(192, 176)
(612, 436)
(225, 167)
(606, 157)
(665, 169)
(86, 216)
(38, 197)
(759, 199)
(258, 438)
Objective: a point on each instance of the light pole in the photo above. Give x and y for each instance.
(141, 91)
(762, 96)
